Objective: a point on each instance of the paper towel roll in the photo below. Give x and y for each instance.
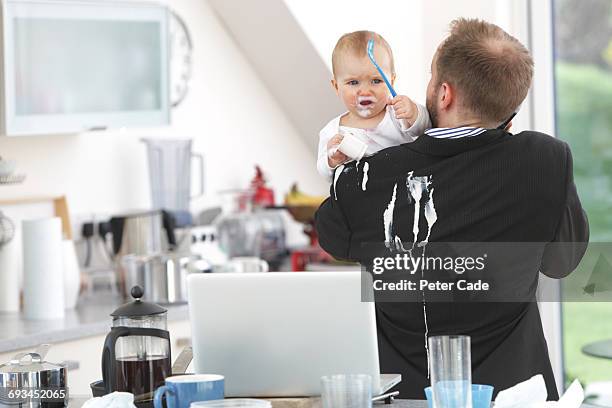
(10, 272)
(72, 274)
(43, 275)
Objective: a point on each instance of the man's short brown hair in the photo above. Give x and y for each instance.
(489, 68)
(357, 43)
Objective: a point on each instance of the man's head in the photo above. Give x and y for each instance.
(480, 75)
(356, 80)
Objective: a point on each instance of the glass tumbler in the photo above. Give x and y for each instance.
(451, 371)
(346, 391)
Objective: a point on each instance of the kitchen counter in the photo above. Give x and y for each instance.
(91, 317)
(78, 401)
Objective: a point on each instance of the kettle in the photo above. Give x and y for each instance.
(137, 233)
(140, 233)
(136, 354)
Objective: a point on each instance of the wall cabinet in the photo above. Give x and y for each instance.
(71, 66)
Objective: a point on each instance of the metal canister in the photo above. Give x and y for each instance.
(31, 382)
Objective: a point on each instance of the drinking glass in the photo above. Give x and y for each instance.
(451, 371)
(346, 391)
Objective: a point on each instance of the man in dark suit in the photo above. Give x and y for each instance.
(466, 180)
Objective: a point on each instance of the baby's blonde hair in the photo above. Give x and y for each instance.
(357, 43)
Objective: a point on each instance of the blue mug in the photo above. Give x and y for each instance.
(182, 390)
(481, 396)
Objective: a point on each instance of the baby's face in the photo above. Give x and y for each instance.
(359, 84)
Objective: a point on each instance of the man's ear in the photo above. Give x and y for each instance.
(334, 85)
(393, 76)
(447, 96)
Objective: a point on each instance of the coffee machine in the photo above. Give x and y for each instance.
(136, 354)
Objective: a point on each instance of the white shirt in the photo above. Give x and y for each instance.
(454, 133)
(389, 132)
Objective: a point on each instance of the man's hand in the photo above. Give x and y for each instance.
(404, 109)
(334, 156)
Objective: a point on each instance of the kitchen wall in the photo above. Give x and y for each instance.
(231, 116)
(401, 23)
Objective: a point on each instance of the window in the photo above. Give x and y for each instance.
(583, 70)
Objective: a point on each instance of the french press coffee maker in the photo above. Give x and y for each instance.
(136, 355)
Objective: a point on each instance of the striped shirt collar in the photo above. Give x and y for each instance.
(454, 133)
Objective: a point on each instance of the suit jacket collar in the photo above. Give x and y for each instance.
(450, 147)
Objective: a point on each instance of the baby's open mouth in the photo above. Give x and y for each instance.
(365, 103)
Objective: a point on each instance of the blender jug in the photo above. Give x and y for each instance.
(170, 176)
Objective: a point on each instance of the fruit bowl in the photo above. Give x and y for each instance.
(302, 207)
(303, 213)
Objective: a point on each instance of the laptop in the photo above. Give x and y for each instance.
(275, 334)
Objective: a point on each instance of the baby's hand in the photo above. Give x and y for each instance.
(334, 156)
(404, 109)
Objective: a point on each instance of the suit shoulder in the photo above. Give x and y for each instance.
(539, 140)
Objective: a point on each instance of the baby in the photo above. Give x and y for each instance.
(372, 115)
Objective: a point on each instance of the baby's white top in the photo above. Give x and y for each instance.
(389, 132)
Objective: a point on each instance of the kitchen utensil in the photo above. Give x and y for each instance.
(346, 391)
(136, 354)
(182, 390)
(170, 174)
(182, 361)
(233, 403)
(30, 372)
(481, 396)
(451, 371)
(380, 71)
(164, 275)
(43, 272)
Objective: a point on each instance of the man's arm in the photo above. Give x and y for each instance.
(333, 230)
(565, 252)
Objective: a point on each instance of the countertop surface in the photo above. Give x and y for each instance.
(78, 401)
(91, 317)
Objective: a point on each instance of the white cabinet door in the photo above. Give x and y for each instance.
(84, 356)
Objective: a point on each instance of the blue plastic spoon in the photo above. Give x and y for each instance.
(384, 77)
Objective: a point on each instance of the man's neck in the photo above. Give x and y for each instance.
(466, 121)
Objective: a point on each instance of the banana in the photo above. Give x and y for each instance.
(296, 198)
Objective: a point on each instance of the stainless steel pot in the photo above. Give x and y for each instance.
(32, 382)
(163, 277)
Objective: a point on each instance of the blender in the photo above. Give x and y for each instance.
(170, 169)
